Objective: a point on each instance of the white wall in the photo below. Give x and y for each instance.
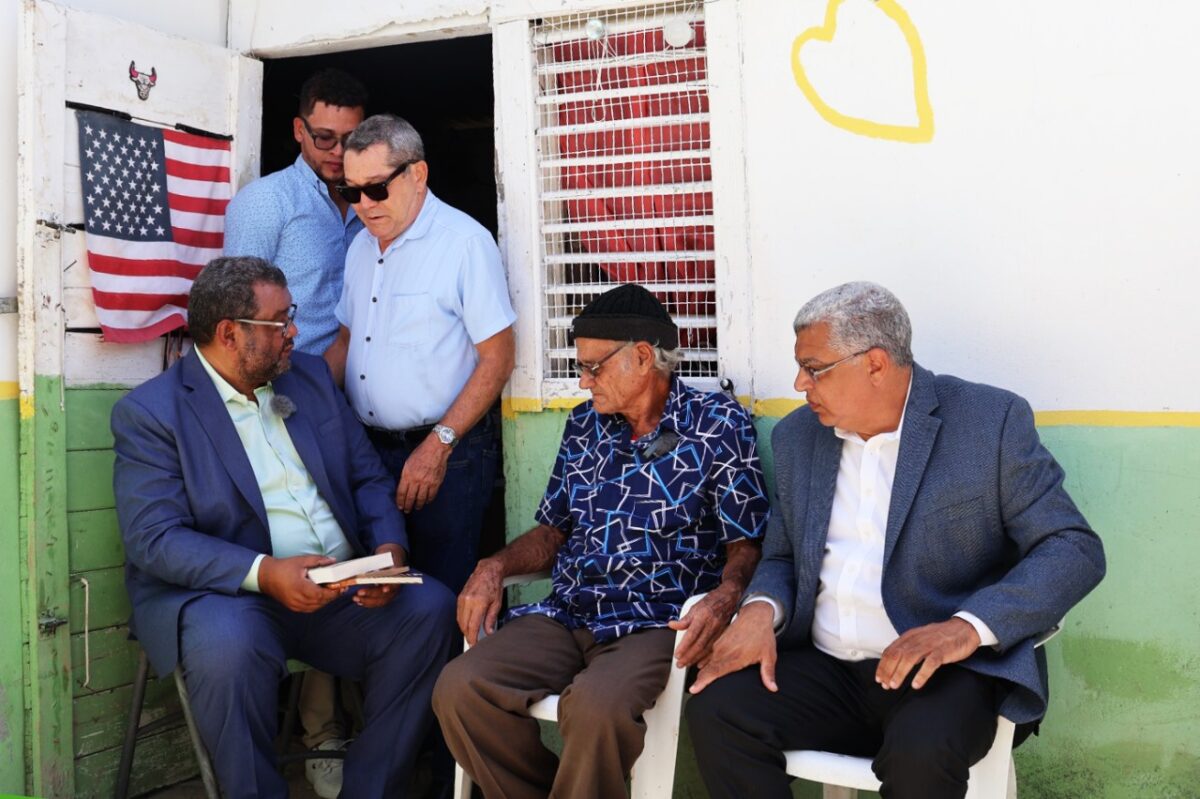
(202, 20)
(1047, 239)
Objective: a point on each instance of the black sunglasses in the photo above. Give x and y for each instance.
(376, 191)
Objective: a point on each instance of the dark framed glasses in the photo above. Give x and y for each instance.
(592, 370)
(376, 191)
(324, 140)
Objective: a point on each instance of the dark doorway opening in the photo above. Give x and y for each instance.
(445, 89)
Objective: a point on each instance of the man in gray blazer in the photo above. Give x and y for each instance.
(921, 540)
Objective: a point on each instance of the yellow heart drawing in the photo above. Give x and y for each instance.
(919, 133)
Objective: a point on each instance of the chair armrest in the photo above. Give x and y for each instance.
(526, 579)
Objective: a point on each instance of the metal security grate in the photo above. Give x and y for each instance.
(625, 178)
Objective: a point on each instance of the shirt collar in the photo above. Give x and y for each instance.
(674, 416)
(847, 435)
(226, 391)
(309, 177)
(420, 226)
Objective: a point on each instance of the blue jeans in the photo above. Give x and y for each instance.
(443, 536)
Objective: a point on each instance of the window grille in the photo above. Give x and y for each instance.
(624, 167)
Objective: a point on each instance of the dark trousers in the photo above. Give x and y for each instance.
(234, 651)
(482, 702)
(923, 741)
(443, 536)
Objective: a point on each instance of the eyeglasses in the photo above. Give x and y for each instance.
(376, 191)
(324, 140)
(283, 326)
(815, 374)
(592, 370)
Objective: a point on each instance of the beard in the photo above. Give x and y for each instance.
(259, 368)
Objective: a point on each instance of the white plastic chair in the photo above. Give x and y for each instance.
(653, 775)
(843, 776)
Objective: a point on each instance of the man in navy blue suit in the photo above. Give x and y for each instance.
(237, 470)
(920, 542)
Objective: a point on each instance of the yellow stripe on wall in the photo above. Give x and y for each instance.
(780, 407)
(9, 389)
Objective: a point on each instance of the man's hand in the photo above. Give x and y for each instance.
(479, 602)
(286, 580)
(376, 596)
(749, 640)
(706, 620)
(933, 645)
(422, 474)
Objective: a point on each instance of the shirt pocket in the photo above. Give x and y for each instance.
(410, 319)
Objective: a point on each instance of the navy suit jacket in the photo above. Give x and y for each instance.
(191, 514)
(978, 521)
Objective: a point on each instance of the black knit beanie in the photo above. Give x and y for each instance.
(627, 313)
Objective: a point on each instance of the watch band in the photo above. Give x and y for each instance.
(446, 435)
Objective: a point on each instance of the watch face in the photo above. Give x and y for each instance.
(445, 435)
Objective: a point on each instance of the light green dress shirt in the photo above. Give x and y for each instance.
(300, 520)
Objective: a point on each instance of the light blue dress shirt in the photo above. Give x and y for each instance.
(416, 312)
(289, 219)
(299, 519)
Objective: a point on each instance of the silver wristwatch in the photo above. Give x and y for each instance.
(446, 435)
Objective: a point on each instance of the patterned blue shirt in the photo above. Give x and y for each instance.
(289, 219)
(646, 529)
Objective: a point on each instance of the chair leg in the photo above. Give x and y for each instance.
(131, 729)
(206, 770)
(462, 783)
(290, 713)
(1012, 779)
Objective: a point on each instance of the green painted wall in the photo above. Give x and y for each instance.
(101, 706)
(1124, 720)
(12, 636)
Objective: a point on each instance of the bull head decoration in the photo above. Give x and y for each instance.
(142, 81)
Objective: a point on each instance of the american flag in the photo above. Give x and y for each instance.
(154, 206)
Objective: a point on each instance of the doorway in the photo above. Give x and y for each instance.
(445, 89)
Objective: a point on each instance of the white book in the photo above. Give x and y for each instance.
(337, 572)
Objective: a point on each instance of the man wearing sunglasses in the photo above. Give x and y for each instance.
(237, 470)
(294, 219)
(656, 495)
(425, 343)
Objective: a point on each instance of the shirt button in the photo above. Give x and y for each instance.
(374, 299)
(370, 413)
(379, 261)
(362, 377)
(368, 338)
(854, 653)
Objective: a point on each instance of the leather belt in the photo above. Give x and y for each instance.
(395, 438)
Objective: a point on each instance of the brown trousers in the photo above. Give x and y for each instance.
(482, 701)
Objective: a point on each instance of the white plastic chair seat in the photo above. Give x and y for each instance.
(993, 777)
(653, 775)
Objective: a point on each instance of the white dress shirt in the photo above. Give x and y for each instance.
(849, 621)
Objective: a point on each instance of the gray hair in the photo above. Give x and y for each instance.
(665, 360)
(224, 289)
(402, 140)
(860, 315)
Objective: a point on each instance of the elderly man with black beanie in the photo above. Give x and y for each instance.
(656, 494)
